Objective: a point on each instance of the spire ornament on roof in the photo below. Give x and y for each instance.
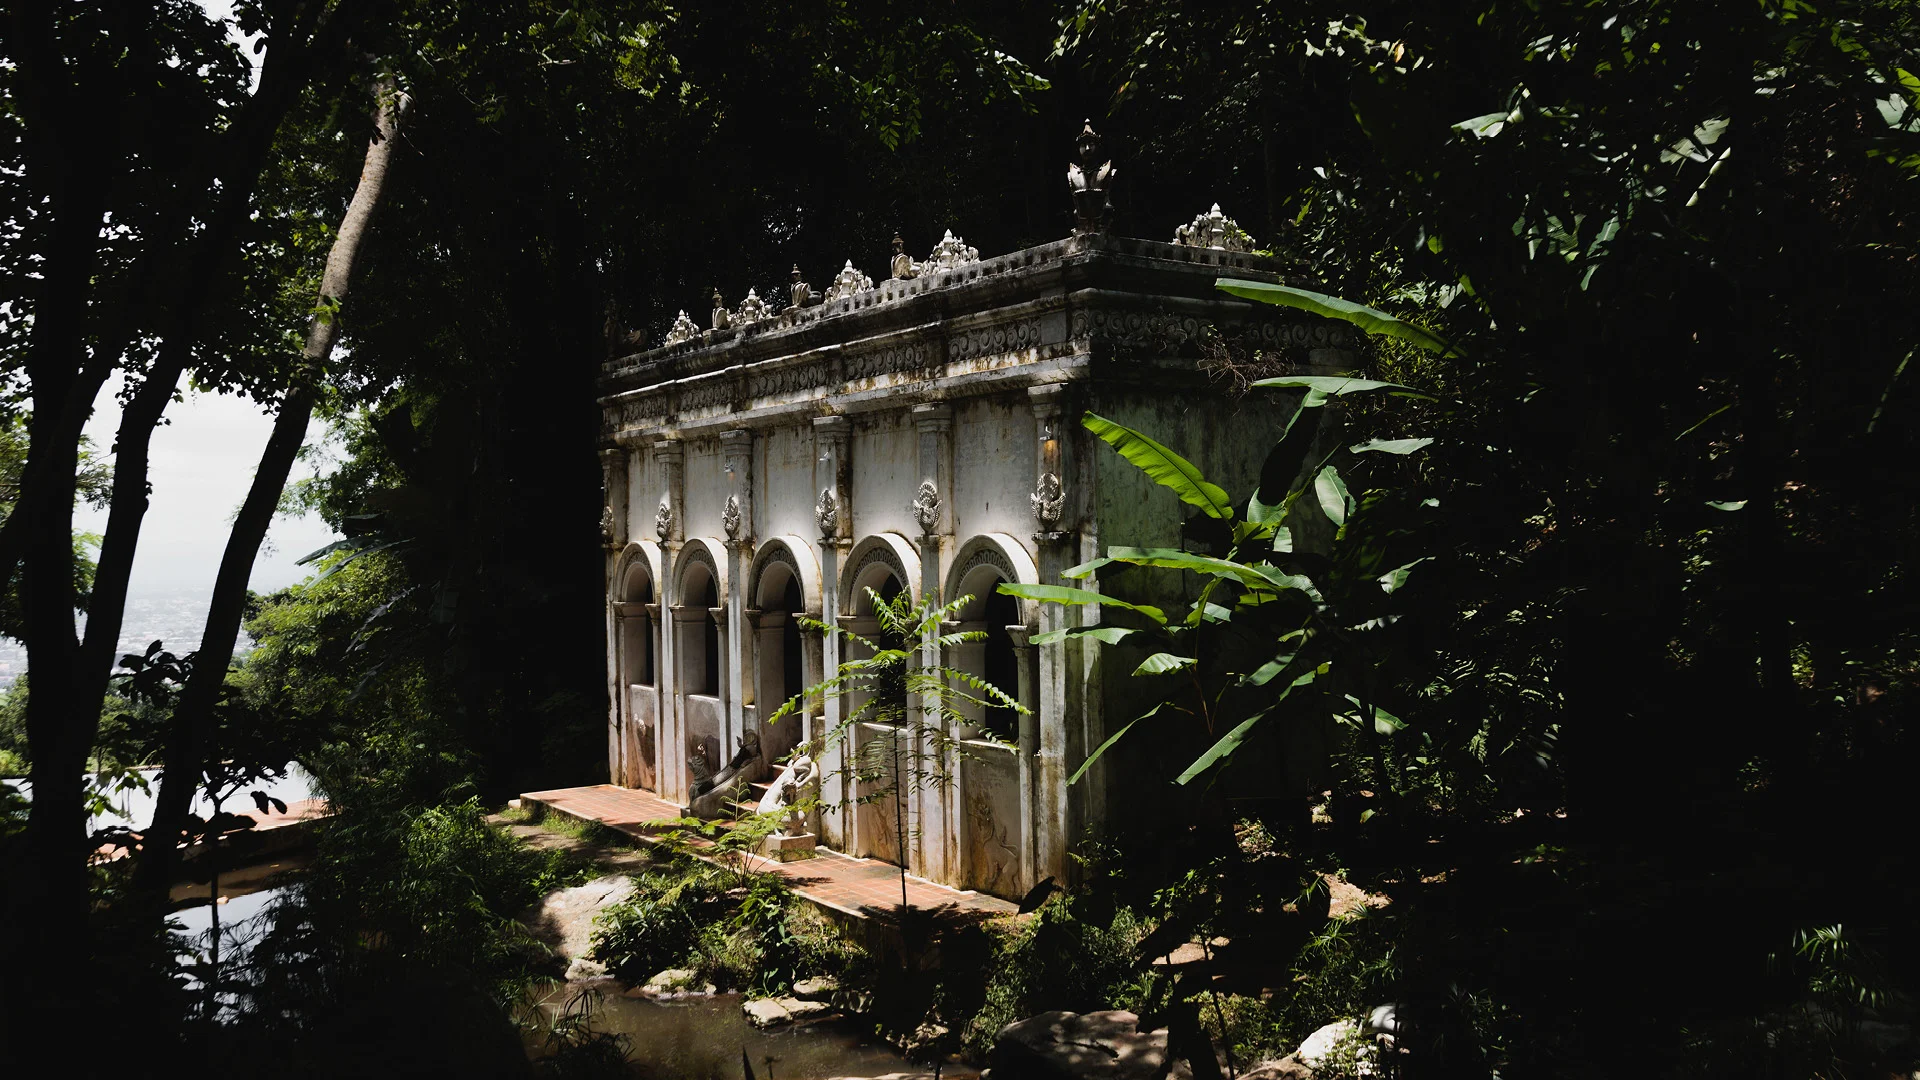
(684, 329)
(1216, 230)
(847, 282)
(1089, 184)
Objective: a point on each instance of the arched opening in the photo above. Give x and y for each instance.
(639, 700)
(699, 634)
(700, 670)
(995, 837)
(710, 645)
(878, 742)
(636, 627)
(879, 581)
(1002, 611)
(779, 655)
(988, 613)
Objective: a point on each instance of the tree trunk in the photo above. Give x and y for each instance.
(190, 736)
(76, 343)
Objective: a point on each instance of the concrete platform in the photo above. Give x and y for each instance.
(848, 890)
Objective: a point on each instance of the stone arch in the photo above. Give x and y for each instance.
(978, 568)
(699, 585)
(869, 562)
(795, 557)
(701, 551)
(783, 586)
(992, 555)
(635, 595)
(641, 556)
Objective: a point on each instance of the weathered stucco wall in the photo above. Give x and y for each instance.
(993, 444)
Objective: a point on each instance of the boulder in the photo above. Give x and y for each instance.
(818, 988)
(1074, 1046)
(772, 1012)
(1286, 1068)
(563, 919)
(666, 982)
(583, 969)
(1326, 1045)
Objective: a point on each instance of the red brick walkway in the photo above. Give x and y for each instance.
(860, 888)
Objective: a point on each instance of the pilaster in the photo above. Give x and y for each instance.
(833, 519)
(1028, 744)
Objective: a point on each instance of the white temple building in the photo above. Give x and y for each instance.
(922, 435)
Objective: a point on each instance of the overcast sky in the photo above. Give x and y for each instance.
(202, 463)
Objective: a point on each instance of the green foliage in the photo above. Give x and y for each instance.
(895, 683)
(661, 925)
(1068, 955)
(737, 931)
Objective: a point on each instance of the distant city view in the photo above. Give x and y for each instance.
(174, 617)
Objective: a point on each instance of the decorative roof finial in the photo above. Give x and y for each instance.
(683, 329)
(847, 282)
(1216, 230)
(720, 317)
(1091, 208)
(752, 310)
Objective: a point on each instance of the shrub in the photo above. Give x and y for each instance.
(661, 924)
(1061, 958)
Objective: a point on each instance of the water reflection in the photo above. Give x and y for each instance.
(702, 1037)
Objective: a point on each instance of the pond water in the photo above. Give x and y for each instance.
(131, 802)
(699, 1038)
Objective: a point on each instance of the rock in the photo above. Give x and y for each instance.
(583, 969)
(1286, 1068)
(805, 1010)
(765, 1012)
(772, 1012)
(818, 988)
(672, 979)
(563, 919)
(1329, 1045)
(1071, 1046)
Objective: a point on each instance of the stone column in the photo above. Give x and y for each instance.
(936, 803)
(616, 682)
(657, 628)
(613, 526)
(1054, 503)
(813, 671)
(669, 456)
(729, 731)
(834, 519)
(613, 483)
(689, 654)
(736, 522)
(1028, 743)
(769, 660)
(668, 522)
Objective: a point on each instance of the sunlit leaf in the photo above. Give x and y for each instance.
(1371, 320)
(1231, 740)
(1391, 446)
(1161, 663)
(1165, 467)
(1061, 594)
